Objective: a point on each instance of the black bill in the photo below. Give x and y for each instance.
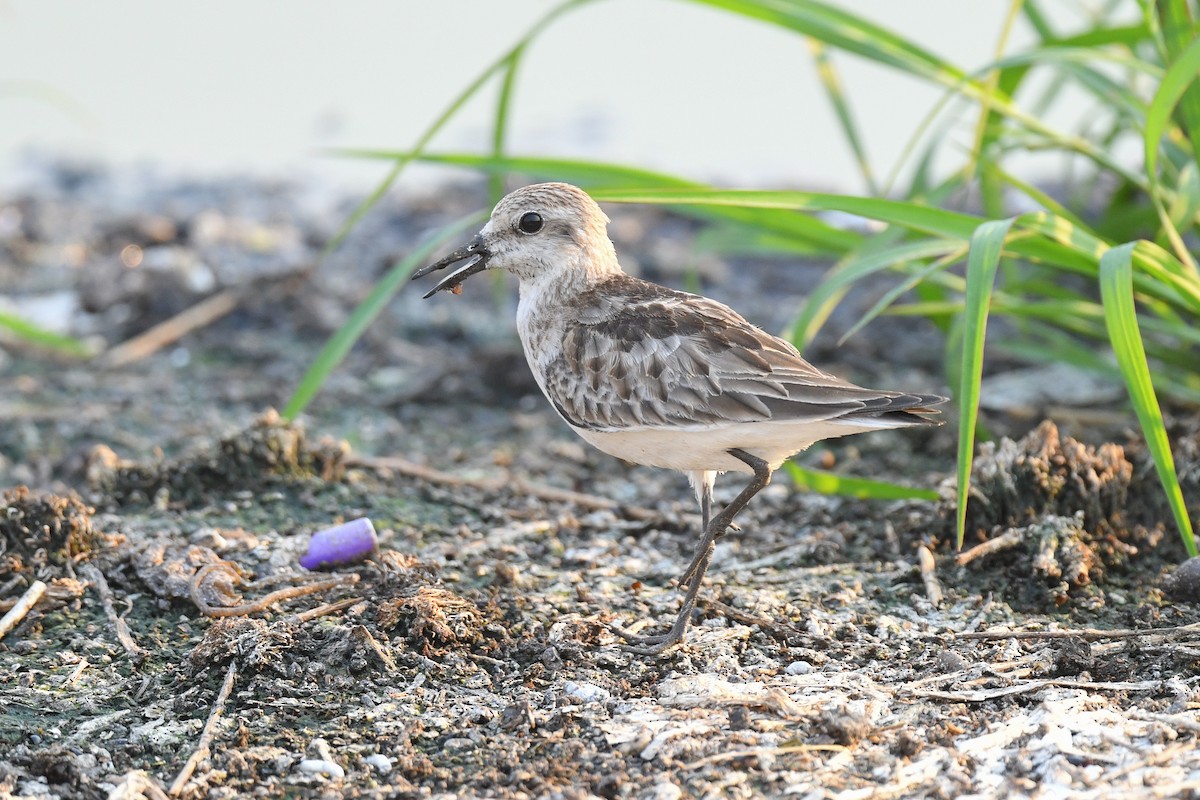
(476, 257)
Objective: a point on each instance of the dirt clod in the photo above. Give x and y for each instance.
(254, 643)
(433, 619)
(40, 530)
(268, 451)
(1014, 483)
(1055, 514)
(843, 725)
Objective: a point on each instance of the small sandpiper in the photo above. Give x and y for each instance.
(657, 376)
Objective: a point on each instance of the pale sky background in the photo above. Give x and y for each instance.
(233, 86)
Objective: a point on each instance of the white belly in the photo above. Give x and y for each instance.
(694, 450)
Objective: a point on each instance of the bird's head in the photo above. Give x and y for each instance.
(548, 231)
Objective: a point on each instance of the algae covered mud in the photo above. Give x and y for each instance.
(179, 648)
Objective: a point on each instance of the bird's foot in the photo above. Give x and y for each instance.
(653, 644)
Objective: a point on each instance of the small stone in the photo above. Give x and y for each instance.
(1184, 582)
(664, 790)
(585, 692)
(950, 661)
(379, 762)
(739, 718)
(319, 766)
(798, 668)
(552, 659)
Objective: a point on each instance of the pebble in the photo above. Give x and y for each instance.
(798, 668)
(319, 766)
(458, 744)
(585, 692)
(664, 790)
(380, 763)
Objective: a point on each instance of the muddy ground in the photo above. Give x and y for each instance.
(840, 648)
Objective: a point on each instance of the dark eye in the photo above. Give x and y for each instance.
(530, 222)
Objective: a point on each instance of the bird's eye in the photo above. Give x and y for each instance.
(530, 222)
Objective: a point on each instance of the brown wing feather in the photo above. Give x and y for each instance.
(641, 355)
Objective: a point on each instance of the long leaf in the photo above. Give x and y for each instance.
(1044, 238)
(37, 335)
(879, 254)
(1179, 32)
(823, 482)
(597, 176)
(828, 75)
(987, 243)
(854, 34)
(403, 160)
(1175, 83)
(500, 125)
(1116, 292)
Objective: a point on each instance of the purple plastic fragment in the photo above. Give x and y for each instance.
(347, 543)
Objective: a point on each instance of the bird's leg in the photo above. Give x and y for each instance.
(713, 530)
(705, 546)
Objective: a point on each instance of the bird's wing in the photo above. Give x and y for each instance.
(639, 355)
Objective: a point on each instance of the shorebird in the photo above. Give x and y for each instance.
(657, 376)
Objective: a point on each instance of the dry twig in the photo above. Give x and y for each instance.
(220, 578)
(328, 608)
(137, 786)
(983, 695)
(22, 607)
(769, 752)
(206, 736)
(164, 333)
(1006, 540)
(1087, 634)
(92, 574)
(779, 630)
(933, 587)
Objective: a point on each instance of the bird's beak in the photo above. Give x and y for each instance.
(475, 254)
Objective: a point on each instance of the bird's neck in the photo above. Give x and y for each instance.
(553, 285)
(545, 307)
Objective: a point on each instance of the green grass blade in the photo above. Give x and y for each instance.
(740, 240)
(597, 176)
(987, 243)
(880, 254)
(889, 297)
(854, 34)
(340, 343)
(1058, 242)
(989, 128)
(26, 331)
(1179, 32)
(1116, 293)
(499, 137)
(830, 80)
(1175, 84)
(823, 482)
(403, 160)
(848, 32)
(935, 221)
(500, 125)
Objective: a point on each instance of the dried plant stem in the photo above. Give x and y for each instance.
(206, 736)
(1088, 634)
(207, 575)
(23, 606)
(151, 341)
(933, 587)
(93, 575)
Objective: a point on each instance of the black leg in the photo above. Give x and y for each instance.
(692, 577)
